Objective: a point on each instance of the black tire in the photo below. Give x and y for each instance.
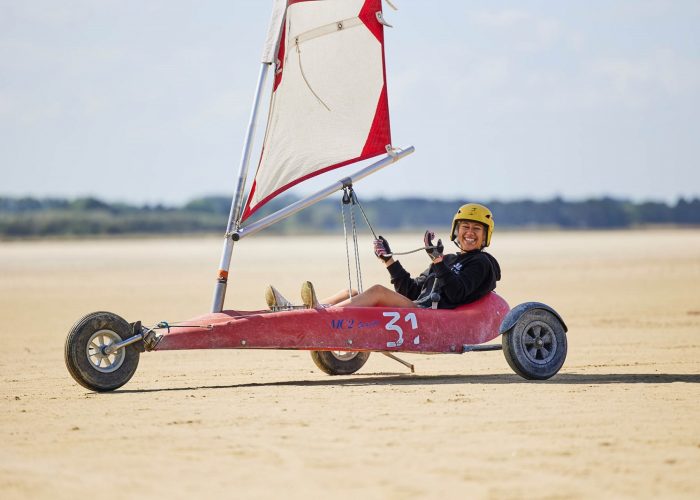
(535, 347)
(339, 363)
(87, 364)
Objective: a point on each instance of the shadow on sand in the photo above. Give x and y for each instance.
(374, 379)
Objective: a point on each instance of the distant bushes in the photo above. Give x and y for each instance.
(27, 217)
(31, 217)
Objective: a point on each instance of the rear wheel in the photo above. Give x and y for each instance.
(86, 358)
(535, 347)
(339, 362)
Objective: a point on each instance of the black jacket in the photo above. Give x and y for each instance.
(461, 278)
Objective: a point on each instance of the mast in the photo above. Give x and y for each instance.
(237, 202)
(268, 58)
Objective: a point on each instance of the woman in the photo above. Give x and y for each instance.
(450, 281)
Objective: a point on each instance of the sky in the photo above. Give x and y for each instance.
(147, 101)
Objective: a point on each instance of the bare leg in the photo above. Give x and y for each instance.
(378, 295)
(338, 297)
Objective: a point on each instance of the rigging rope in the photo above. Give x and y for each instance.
(358, 268)
(364, 215)
(350, 198)
(344, 201)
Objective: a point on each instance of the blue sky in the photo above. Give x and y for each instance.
(147, 101)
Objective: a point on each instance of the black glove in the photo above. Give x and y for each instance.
(436, 252)
(381, 249)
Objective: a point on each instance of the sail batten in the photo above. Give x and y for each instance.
(329, 105)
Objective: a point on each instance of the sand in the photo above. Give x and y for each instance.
(621, 419)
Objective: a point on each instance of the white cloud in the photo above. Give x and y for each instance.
(644, 79)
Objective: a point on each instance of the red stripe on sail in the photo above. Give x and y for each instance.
(246, 210)
(380, 131)
(368, 15)
(279, 67)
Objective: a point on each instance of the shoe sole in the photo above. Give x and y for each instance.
(308, 295)
(270, 298)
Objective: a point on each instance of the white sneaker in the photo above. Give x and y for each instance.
(275, 300)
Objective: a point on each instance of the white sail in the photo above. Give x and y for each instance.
(273, 32)
(329, 101)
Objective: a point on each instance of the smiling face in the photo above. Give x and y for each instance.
(470, 235)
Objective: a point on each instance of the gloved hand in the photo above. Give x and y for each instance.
(436, 252)
(381, 249)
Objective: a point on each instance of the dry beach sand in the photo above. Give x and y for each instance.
(621, 419)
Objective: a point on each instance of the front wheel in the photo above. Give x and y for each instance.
(86, 358)
(339, 362)
(535, 347)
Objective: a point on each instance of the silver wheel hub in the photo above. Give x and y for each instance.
(96, 347)
(344, 355)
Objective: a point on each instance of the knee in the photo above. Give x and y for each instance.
(377, 289)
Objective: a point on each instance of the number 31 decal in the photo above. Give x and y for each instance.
(393, 327)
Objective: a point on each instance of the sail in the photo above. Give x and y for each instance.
(329, 104)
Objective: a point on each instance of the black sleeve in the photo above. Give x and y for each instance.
(458, 287)
(403, 283)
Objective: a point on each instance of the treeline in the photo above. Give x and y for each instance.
(33, 217)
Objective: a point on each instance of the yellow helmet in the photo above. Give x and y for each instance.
(477, 213)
